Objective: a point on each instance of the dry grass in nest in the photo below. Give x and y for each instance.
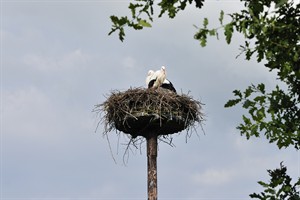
(141, 112)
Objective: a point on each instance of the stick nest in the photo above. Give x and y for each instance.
(141, 112)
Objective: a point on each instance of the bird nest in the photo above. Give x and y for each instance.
(141, 112)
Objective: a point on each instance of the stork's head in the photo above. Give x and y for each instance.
(163, 68)
(150, 72)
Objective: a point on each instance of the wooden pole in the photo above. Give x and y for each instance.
(152, 167)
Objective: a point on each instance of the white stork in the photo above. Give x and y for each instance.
(158, 79)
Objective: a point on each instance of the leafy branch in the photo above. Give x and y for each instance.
(136, 22)
(279, 187)
(274, 113)
(145, 7)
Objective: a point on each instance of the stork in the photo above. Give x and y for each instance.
(158, 79)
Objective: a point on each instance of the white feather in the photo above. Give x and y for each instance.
(149, 76)
(160, 77)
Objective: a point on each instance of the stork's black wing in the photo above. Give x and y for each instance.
(168, 86)
(151, 83)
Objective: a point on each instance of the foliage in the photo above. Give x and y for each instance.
(142, 14)
(276, 40)
(275, 113)
(146, 7)
(279, 187)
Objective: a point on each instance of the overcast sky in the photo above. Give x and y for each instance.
(57, 62)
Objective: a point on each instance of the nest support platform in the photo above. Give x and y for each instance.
(140, 125)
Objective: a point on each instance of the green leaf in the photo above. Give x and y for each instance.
(262, 125)
(287, 188)
(280, 3)
(232, 102)
(118, 24)
(271, 191)
(254, 129)
(135, 26)
(247, 104)
(199, 3)
(132, 8)
(248, 92)
(201, 35)
(262, 184)
(261, 88)
(237, 93)
(295, 57)
(261, 114)
(121, 34)
(144, 23)
(212, 32)
(221, 17)
(260, 99)
(228, 32)
(203, 42)
(246, 120)
(114, 19)
(122, 21)
(205, 22)
(254, 195)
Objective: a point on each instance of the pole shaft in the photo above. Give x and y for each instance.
(152, 167)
